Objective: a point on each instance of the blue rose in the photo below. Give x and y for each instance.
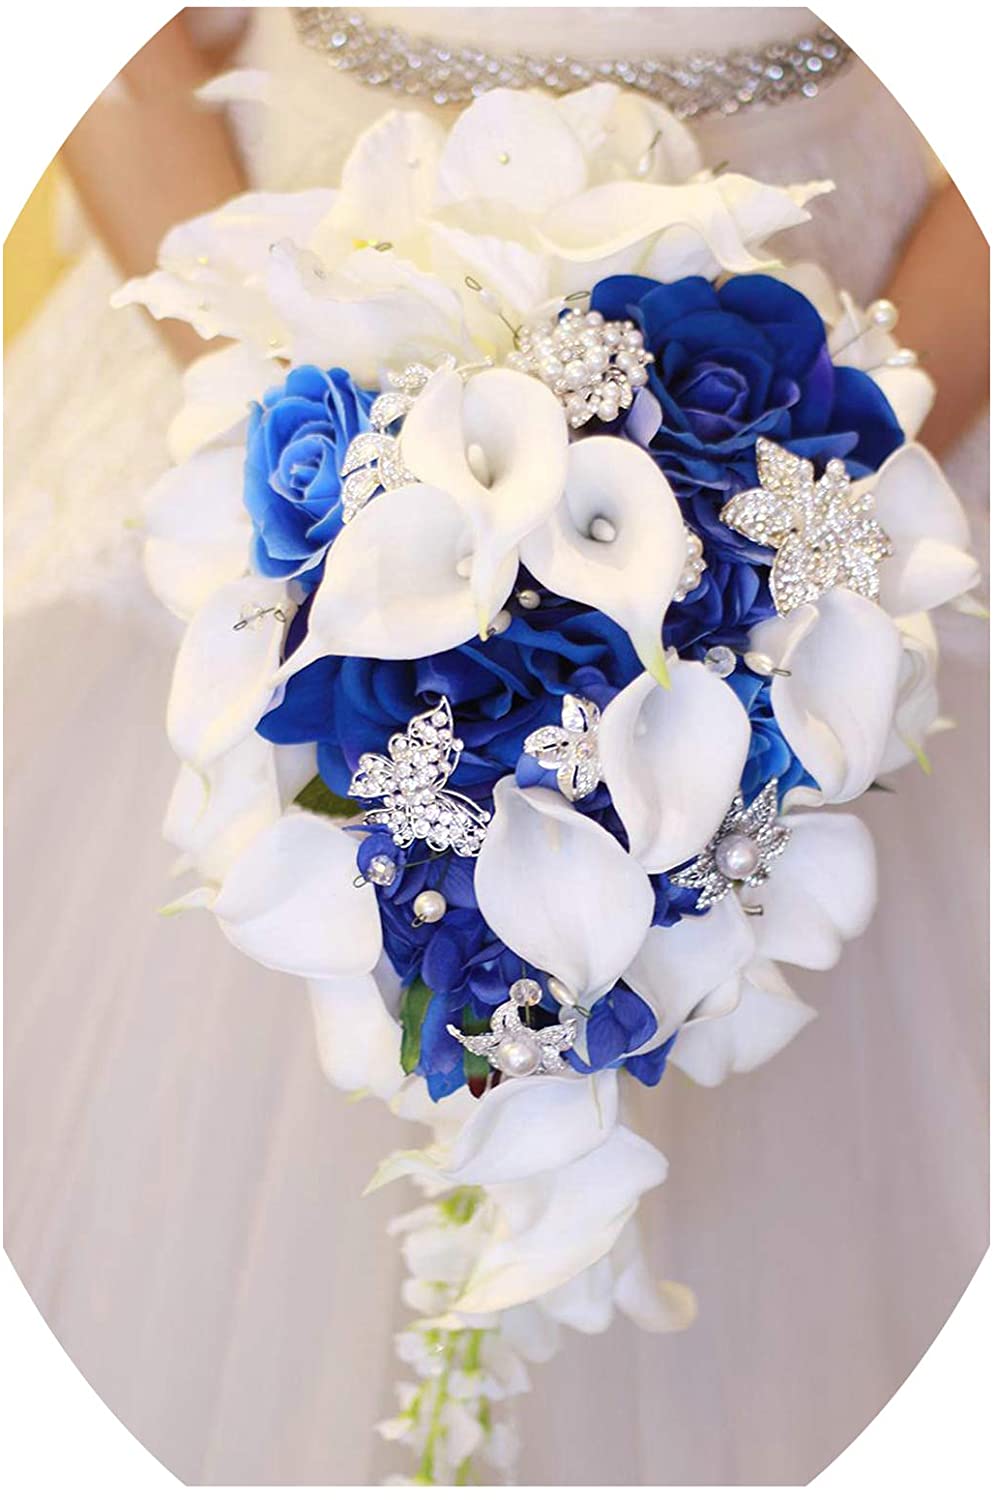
(731, 364)
(297, 440)
(500, 691)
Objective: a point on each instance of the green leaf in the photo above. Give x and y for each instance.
(319, 798)
(414, 1004)
(473, 1066)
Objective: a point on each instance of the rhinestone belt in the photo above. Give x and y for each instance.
(702, 83)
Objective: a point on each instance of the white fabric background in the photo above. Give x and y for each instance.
(182, 1185)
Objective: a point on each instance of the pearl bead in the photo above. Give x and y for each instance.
(500, 623)
(430, 906)
(757, 662)
(883, 314)
(560, 992)
(518, 1056)
(575, 374)
(637, 376)
(737, 856)
(602, 530)
(529, 598)
(594, 319)
(902, 359)
(464, 567)
(694, 548)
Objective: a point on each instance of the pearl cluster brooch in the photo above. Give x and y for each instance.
(410, 783)
(594, 366)
(513, 1047)
(742, 852)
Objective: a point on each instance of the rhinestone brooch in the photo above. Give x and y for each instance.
(823, 535)
(410, 785)
(594, 366)
(570, 748)
(373, 459)
(742, 852)
(513, 1047)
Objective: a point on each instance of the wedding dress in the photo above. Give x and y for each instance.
(183, 1188)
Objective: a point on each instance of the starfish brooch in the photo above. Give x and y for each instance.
(515, 1048)
(570, 748)
(410, 784)
(823, 534)
(748, 841)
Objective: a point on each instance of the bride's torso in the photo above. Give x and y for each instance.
(850, 129)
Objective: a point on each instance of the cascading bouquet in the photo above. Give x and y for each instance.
(555, 562)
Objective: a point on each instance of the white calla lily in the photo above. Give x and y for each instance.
(551, 1226)
(527, 1126)
(669, 231)
(218, 389)
(394, 585)
(560, 891)
(917, 712)
(821, 893)
(930, 561)
(679, 967)
(656, 1306)
(214, 814)
(357, 1032)
(291, 902)
(672, 760)
(836, 707)
(736, 1039)
(223, 678)
(497, 443)
(855, 339)
(197, 529)
(632, 571)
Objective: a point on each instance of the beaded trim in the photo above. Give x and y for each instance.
(700, 84)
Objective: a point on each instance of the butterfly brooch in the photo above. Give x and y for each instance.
(409, 782)
(570, 748)
(823, 534)
(515, 1048)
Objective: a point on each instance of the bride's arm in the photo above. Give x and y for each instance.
(941, 287)
(146, 155)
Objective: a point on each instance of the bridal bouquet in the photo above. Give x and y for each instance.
(556, 564)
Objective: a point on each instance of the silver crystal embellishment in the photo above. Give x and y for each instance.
(824, 535)
(409, 782)
(753, 832)
(570, 748)
(524, 1050)
(373, 459)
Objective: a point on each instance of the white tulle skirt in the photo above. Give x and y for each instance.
(183, 1188)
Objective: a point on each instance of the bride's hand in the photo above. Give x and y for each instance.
(940, 287)
(146, 155)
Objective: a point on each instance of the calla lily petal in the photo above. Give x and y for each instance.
(359, 1040)
(673, 761)
(291, 902)
(552, 1226)
(821, 892)
(930, 562)
(223, 678)
(656, 1306)
(217, 391)
(388, 179)
(615, 129)
(677, 967)
(198, 529)
(631, 578)
(560, 891)
(498, 444)
(918, 707)
(392, 588)
(768, 1016)
(214, 815)
(835, 710)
